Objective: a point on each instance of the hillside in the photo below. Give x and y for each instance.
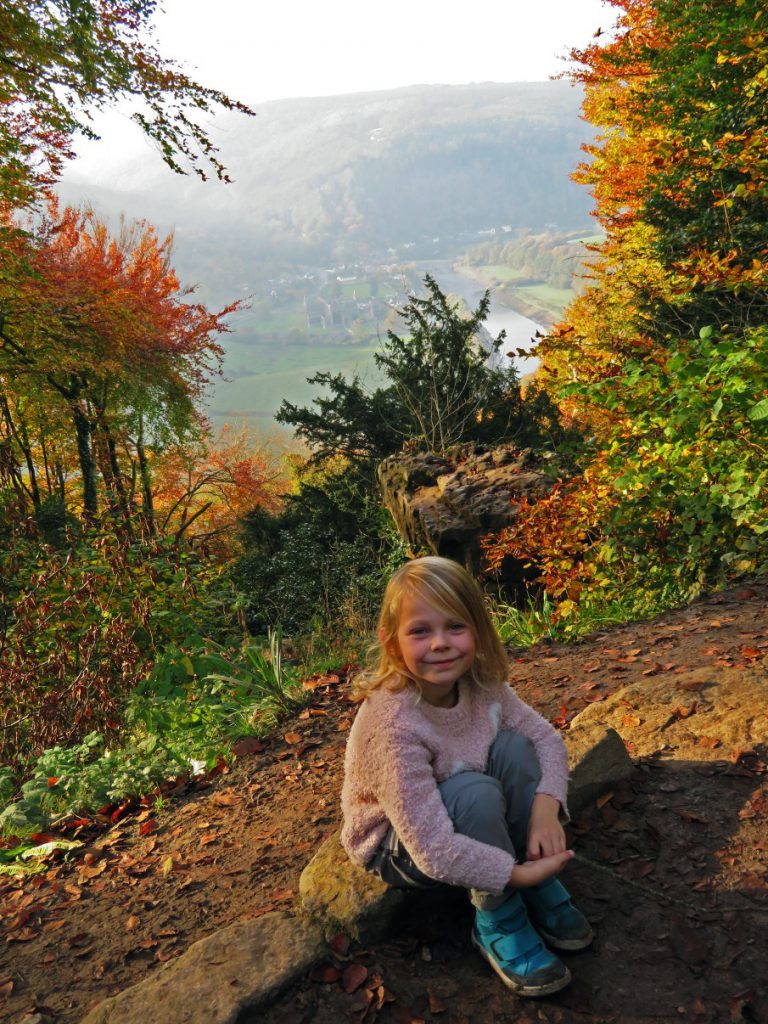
(344, 176)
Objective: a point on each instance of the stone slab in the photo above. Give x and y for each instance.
(222, 979)
(701, 715)
(597, 761)
(344, 896)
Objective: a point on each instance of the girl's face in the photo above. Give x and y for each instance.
(436, 648)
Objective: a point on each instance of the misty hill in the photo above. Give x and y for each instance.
(337, 177)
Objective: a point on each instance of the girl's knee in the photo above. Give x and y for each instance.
(473, 797)
(512, 748)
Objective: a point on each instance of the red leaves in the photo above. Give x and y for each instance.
(756, 805)
(637, 869)
(326, 974)
(148, 827)
(353, 977)
(561, 721)
(340, 944)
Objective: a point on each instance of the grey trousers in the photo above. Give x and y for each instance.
(493, 807)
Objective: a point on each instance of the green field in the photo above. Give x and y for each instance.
(555, 299)
(261, 376)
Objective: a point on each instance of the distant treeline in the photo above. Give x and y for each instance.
(548, 258)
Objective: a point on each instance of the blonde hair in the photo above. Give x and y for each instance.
(444, 585)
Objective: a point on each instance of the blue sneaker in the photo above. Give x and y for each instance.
(559, 923)
(507, 940)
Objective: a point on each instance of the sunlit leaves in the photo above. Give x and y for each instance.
(665, 354)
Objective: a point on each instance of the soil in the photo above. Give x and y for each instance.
(672, 868)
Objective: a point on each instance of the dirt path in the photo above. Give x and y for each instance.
(232, 847)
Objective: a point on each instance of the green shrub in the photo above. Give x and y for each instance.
(185, 715)
(80, 625)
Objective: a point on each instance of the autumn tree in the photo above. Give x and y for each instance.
(204, 486)
(666, 351)
(98, 328)
(62, 60)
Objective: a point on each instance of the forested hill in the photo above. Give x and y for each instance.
(343, 174)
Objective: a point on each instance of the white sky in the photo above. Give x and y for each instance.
(285, 48)
(258, 51)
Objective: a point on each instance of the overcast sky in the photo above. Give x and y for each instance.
(286, 48)
(262, 51)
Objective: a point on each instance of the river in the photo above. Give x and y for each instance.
(520, 330)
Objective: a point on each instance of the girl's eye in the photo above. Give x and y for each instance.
(457, 627)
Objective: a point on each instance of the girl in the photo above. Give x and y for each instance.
(450, 777)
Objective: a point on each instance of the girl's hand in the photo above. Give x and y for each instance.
(545, 833)
(535, 871)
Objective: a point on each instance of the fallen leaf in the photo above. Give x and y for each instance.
(340, 944)
(226, 799)
(132, 923)
(631, 720)
(326, 974)
(436, 1005)
(292, 737)
(353, 977)
(282, 894)
(148, 827)
(604, 799)
(6, 987)
(246, 746)
(753, 653)
(709, 742)
(53, 926)
(88, 871)
(637, 869)
(690, 817)
(681, 712)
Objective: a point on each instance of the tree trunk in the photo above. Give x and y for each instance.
(147, 504)
(87, 462)
(21, 437)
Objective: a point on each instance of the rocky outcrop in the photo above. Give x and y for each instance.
(597, 761)
(344, 896)
(703, 715)
(445, 505)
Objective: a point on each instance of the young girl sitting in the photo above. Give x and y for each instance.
(450, 777)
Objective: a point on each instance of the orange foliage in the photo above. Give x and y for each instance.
(554, 533)
(201, 490)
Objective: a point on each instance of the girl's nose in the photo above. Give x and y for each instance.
(439, 640)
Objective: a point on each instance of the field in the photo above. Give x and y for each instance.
(260, 375)
(554, 299)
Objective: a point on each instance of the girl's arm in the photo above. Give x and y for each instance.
(548, 744)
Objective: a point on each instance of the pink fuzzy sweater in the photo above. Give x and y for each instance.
(399, 749)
